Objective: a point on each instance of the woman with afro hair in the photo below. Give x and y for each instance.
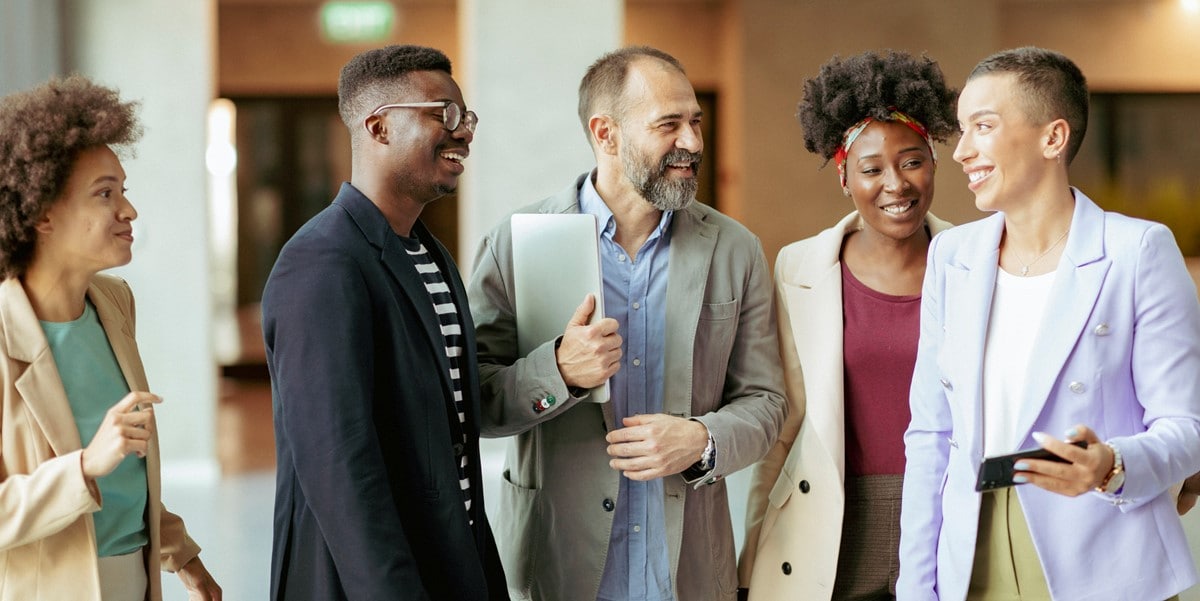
(824, 511)
(80, 516)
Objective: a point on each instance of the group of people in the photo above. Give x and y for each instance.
(865, 381)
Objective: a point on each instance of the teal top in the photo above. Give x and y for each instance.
(94, 383)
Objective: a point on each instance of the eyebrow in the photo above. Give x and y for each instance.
(981, 112)
(674, 116)
(106, 179)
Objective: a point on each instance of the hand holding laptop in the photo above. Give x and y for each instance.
(589, 354)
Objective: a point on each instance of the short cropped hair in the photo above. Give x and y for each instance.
(1052, 87)
(603, 85)
(367, 78)
(872, 85)
(42, 133)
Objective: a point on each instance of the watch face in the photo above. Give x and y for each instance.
(1115, 483)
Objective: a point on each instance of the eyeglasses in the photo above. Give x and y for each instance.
(452, 114)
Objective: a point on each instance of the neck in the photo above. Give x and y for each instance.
(55, 295)
(401, 211)
(635, 217)
(1035, 227)
(885, 250)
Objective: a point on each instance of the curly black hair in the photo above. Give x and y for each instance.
(359, 87)
(870, 85)
(42, 132)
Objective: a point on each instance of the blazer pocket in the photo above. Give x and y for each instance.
(782, 491)
(718, 311)
(515, 532)
(715, 333)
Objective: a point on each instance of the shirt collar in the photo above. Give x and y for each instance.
(606, 226)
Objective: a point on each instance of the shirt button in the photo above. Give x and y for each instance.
(637, 528)
(637, 362)
(608, 505)
(620, 258)
(637, 306)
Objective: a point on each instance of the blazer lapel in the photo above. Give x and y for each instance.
(693, 241)
(1077, 285)
(38, 383)
(970, 284)
(117, 329)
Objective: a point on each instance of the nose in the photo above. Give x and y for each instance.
(126, 212)
(893, 181)
(963, 150)
(691, 139)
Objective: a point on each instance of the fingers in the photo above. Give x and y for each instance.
(1185, 503)
(1085, 470)
(583, 313)
(133, 400)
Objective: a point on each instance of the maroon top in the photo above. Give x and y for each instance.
(880, 334)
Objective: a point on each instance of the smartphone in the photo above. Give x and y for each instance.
(997, 472)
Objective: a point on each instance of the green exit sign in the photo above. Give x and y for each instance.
(357, 21)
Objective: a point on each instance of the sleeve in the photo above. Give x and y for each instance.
(927, 448)
(510, 386)
(753, 408)
(766, 471)
(1166, 373)
(42, 503)
(176, 548)
(319, 330)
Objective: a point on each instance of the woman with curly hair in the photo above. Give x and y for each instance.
(824, 511)
(80, 516)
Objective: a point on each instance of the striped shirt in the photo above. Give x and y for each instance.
(447, 311)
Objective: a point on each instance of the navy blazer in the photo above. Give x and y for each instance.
(367, 503)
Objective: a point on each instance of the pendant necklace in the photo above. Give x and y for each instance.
(1025, 266)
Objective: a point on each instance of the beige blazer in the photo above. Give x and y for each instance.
(721, 368)
(797, 498)
(47, 538)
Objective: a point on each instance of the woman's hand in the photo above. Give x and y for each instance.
(1187, 496)
(125, 429)
(1086, 470)
(198, 582)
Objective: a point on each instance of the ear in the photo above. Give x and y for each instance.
(1058, 133)
(376, 128)
(604, 134)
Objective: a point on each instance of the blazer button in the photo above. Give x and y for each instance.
(787, 568)
(946, 384)
(608, 505)
(804, 487)
(1102, 329)
(1077, 387)
(458, 449)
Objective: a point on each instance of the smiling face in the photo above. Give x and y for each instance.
(660, 145)
(1002, 151)
(89, 226)
(889, 172)
(426, 158)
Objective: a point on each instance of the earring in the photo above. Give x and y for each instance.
(846, 191)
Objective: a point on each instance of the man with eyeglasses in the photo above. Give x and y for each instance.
(371, 351)
(625, 500)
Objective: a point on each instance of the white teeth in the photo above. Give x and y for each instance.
(682, 165)
(975, 176)
(453, 156)
(898, 209)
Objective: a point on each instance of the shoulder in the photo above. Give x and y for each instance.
(823, 248)
(564, 201)
(113, 288)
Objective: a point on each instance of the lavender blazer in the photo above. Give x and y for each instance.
(1119, 351)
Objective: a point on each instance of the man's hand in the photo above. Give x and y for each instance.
(656, 445)
(1187, 496)
(589, 354)
(1086, 470)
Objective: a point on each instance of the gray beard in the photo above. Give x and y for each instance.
(654, 185)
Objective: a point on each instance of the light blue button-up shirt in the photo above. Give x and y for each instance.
(635, 294)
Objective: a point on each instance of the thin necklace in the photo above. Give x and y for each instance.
(1025, 266)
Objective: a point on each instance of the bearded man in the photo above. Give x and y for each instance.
(626, 499)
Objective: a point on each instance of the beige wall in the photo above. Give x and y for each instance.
(274, 48)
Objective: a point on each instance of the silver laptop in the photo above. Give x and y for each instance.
(556, 264)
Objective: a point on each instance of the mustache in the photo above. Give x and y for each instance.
(680, 155)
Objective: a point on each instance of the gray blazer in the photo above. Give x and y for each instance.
(722, 368)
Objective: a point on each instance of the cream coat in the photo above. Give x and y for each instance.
(47, 537)
(795, 510)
